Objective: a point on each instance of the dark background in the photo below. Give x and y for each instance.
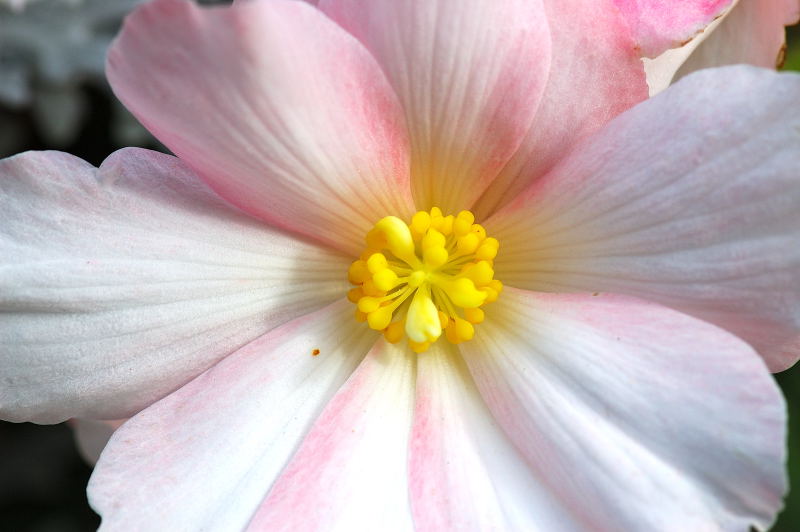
(42, 477)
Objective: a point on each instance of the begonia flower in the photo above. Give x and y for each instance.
(616, 379)
(749, 32)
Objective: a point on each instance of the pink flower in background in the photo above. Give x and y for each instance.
(92, 435)
(648, 252)
(750, 31)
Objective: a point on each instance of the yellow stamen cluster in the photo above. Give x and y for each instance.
(425, 278)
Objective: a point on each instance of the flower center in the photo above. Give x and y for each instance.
(425, 278)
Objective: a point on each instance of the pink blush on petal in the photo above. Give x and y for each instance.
(659, 25)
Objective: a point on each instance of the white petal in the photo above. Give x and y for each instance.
(122, 283)
(350, 472)
(204, 457)
(691, 199)
(464, 473)
(635, 416)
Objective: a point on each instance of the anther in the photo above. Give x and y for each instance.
(425, 279)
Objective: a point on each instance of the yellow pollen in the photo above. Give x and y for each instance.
(425, 279)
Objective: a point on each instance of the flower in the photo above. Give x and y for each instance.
(749, 32)
(576, 405)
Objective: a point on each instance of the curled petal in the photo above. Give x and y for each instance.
(658, 25)
(751, 32)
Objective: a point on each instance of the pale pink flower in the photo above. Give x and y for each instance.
(577, 405)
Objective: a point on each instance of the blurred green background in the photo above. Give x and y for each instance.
(42, 478)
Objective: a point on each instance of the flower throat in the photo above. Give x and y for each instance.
(425, 278)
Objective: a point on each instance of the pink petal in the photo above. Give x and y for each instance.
(690, 200)
(596, 73)
(277, 108)
(470, 76)
(635, 416)
(204, 457)
(122, 283)
(464, 472)
(350, 472)
(751, 32)
(658, 25)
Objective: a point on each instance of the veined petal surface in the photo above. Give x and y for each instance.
(469, 74)
(637, 417)
(691, 199)
(595, 74)
(281, 111)
(205, 456)
(464, 472)
(351, 472)
(122, 283)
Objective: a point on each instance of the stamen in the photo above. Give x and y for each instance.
(444, 262)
